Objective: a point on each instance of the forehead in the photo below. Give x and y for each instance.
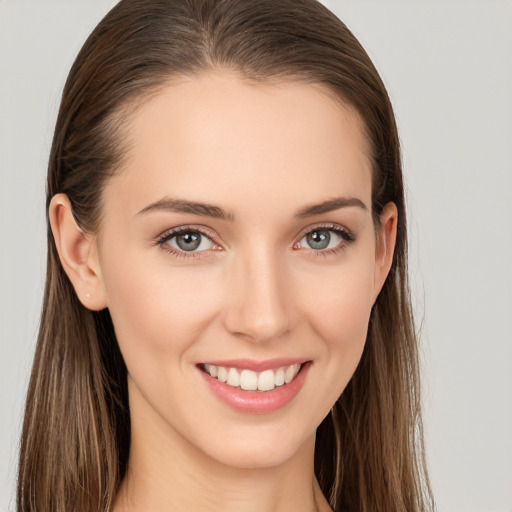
(219, 137)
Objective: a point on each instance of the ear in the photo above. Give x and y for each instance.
(78, 254)
(385, 249)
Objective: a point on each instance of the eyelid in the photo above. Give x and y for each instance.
(328, 226)
(346, 235)
(203, 230)
(188, 255)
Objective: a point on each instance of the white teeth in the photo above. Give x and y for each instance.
(266, 380)
(279, 377)
(290, 372)
(222, 373)
(250, 380)
(233, 378)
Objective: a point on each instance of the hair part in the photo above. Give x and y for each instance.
(76, 433)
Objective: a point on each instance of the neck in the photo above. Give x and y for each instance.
(166, 473)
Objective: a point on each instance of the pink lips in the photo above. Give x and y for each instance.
(257, 366)
(257, 402)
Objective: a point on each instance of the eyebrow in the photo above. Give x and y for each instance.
(329, 206)
(216, 212)
(185, 206)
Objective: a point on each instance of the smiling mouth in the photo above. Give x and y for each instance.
(250, 380)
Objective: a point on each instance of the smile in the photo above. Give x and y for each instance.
(255, 387)
(250, 380)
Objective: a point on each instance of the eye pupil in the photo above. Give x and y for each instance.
(318, 239)
(188, 241)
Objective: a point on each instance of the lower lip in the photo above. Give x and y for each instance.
(257, 402)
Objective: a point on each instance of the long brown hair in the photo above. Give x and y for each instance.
(76, 433)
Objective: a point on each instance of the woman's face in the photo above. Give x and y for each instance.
(237, 243)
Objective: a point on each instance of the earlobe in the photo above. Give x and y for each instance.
(385, 249)
(78, 254)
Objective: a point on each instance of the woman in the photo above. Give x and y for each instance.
(226, 321)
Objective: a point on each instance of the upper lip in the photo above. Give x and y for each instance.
(255, 365)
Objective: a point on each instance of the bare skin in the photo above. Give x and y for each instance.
(258, 285)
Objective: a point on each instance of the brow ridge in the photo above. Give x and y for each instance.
(330, 205)
(209, 210)
(186, 206)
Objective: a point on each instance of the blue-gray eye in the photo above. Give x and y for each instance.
(190, 241)
(323, 238)
(318, 239)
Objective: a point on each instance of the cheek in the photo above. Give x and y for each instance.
(157, 311)
(338, 308)
(340, 303)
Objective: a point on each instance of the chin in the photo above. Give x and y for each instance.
(265, 447)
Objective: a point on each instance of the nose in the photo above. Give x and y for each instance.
(259, 306)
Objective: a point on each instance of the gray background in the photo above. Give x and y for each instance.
(448, 68)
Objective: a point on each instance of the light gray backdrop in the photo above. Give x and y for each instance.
(448, 67)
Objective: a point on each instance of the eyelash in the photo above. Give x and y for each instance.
(171, 233)
(346, 236)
